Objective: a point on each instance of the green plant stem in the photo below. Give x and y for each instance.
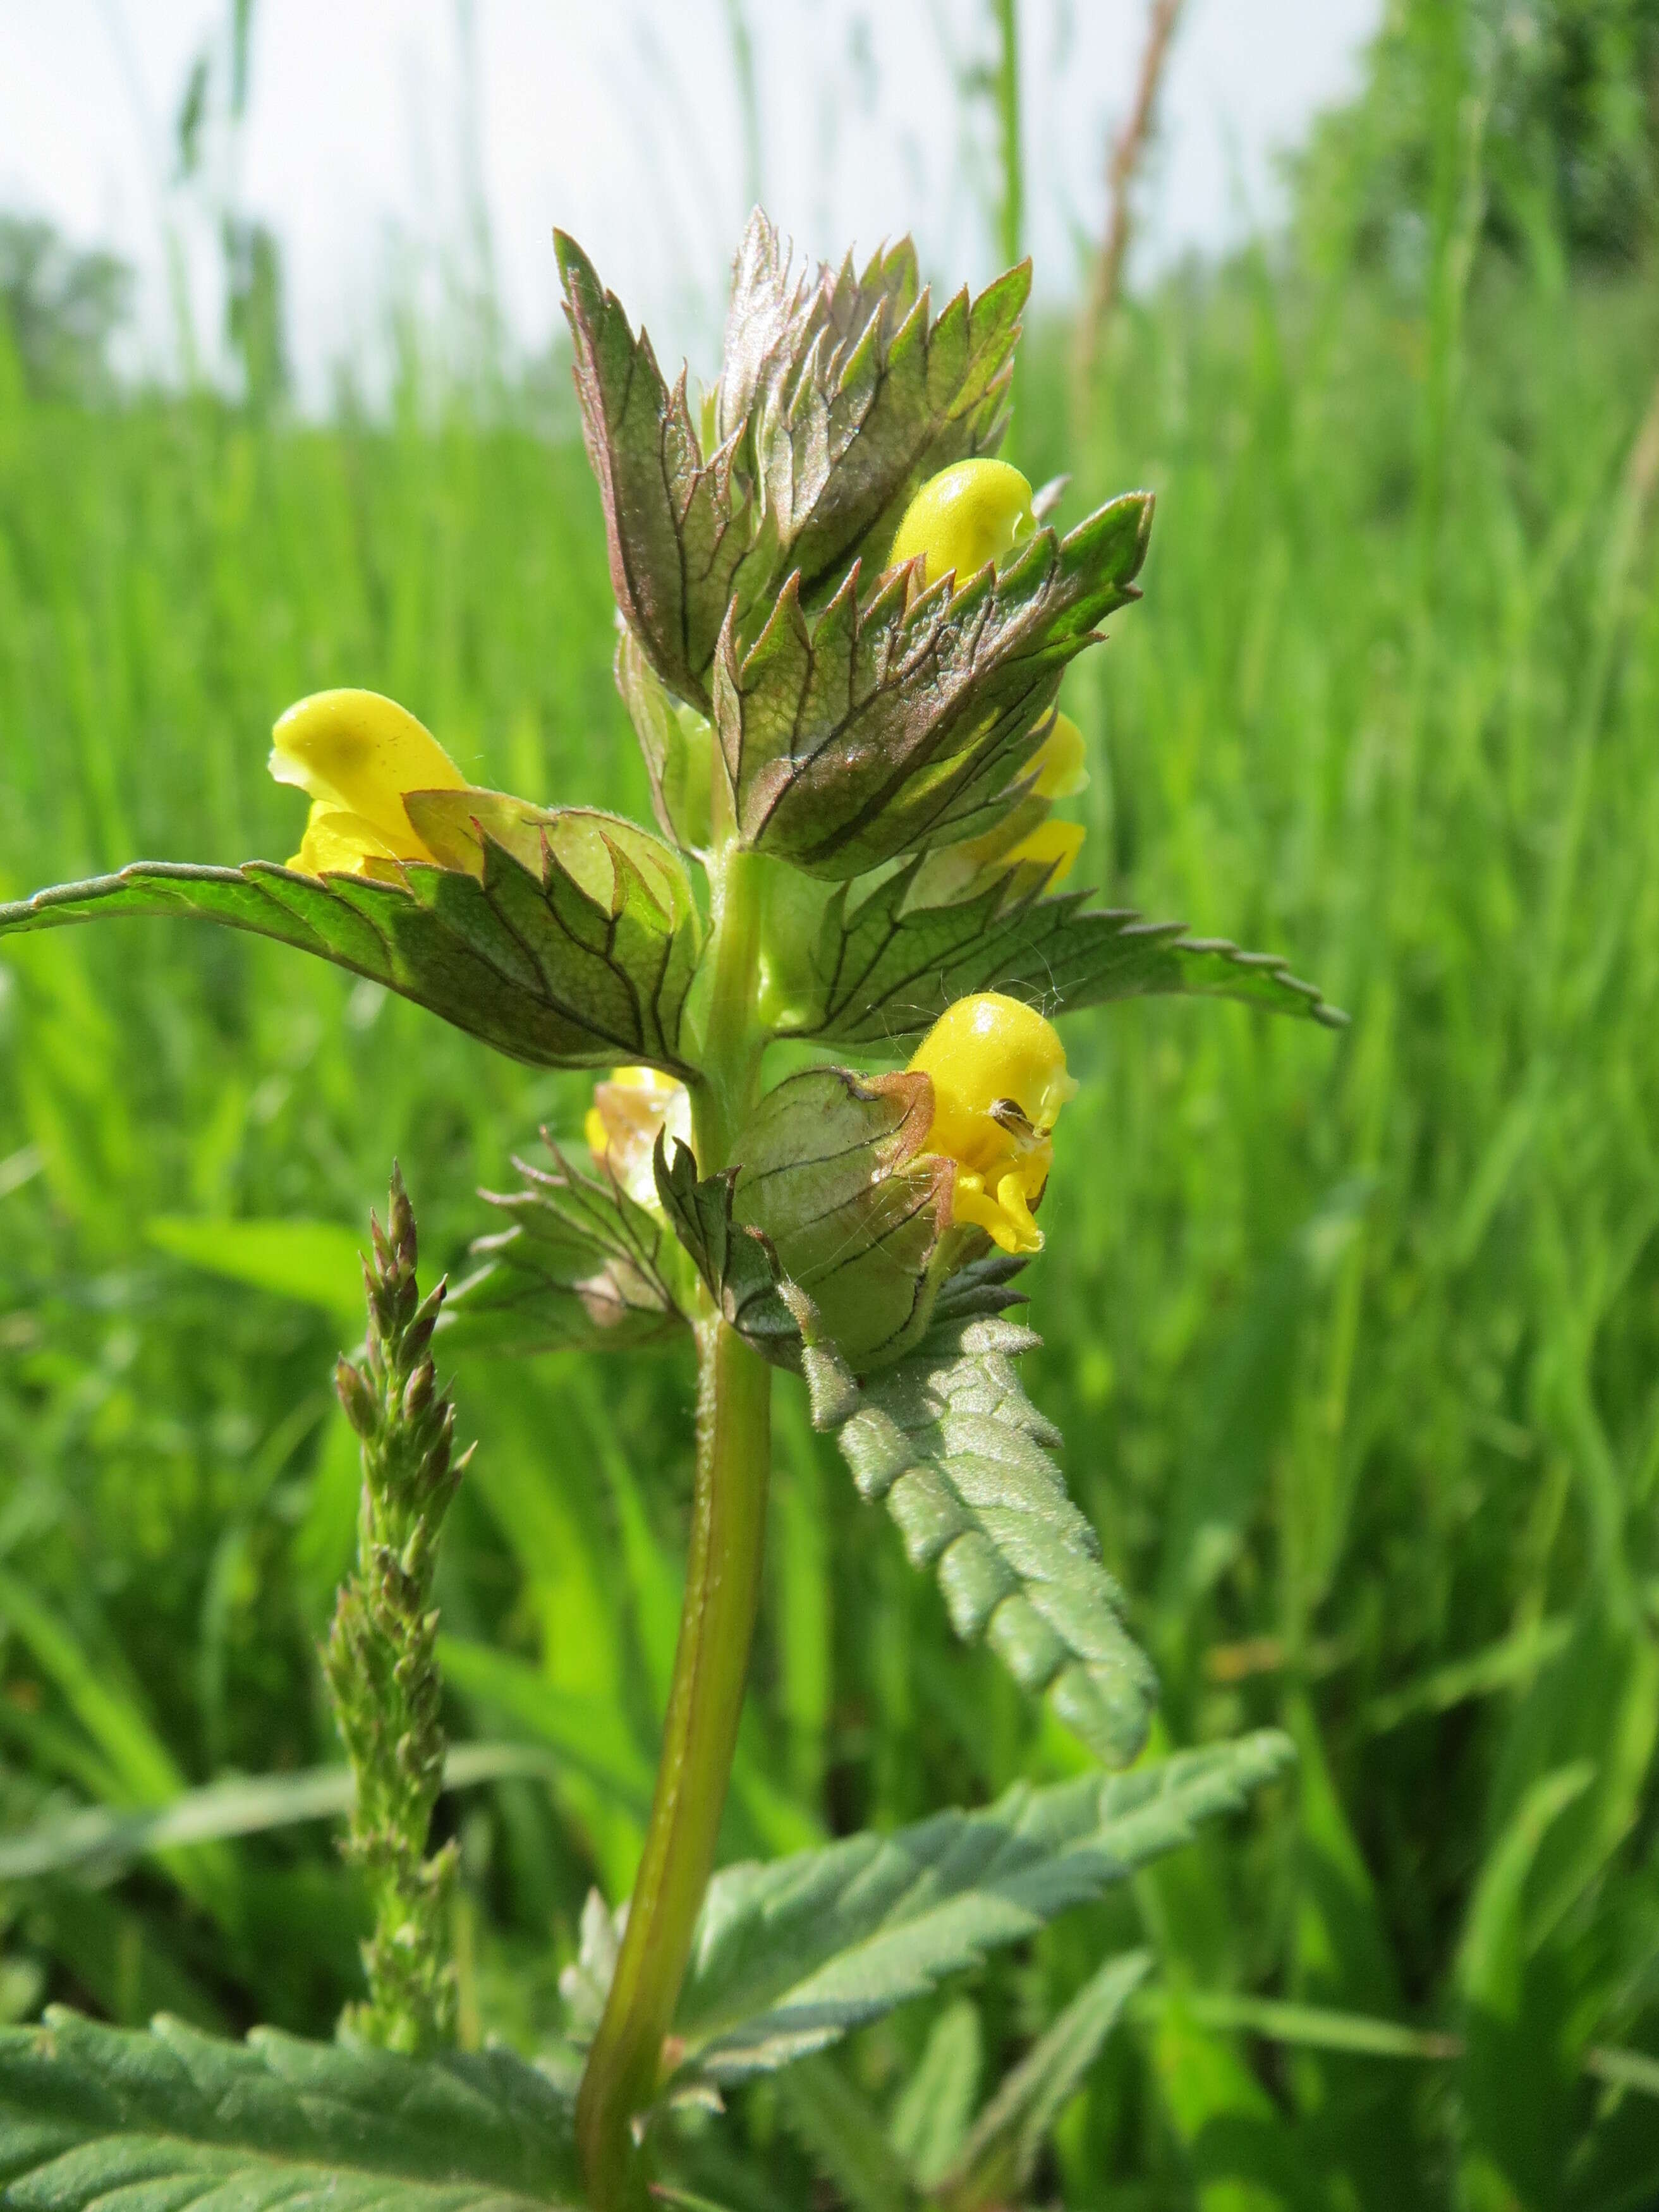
(717, 1621)
(711, 1666)
(731, 1043)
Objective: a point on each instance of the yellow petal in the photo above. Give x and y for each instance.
(987, 1048)
(623, 1122)
(969, 514)
(998, 1075)
(1017, 1213)
(1008, 1225)
(359, 753)
(338, 843)
(1053, 845)
(1059, 762)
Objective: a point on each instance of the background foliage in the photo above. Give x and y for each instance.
(1355, 1346)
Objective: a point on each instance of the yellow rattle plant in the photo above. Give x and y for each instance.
(844, 628)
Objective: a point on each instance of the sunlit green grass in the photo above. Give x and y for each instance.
(1354, 1341)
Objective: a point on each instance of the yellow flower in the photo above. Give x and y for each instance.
(1000, 1080)
(969, 514)
(1051, 845)
(1058, 772)
(355, 754)
(622, 1123)
(1055, 770)
(1057, 764)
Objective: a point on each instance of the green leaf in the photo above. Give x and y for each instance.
(140, 1770)
(965, 1461)
(318, 1263)
(1239, 2150)
(836, 2124)
(999, 2157)
(885, 970)
(582, 1266)
(774, 313)
(1304, 2027)
(173, 2116)
(586, 962)
(97, 1841)
(790, 1956)
(1519, 2072)
(933, 2111)
(829, 1174)
(676, 536)
(881, 726)
(852, 392)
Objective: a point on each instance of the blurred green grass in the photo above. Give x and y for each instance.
(1355, 1343)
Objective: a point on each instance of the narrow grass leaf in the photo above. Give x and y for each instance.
(1000, 2155)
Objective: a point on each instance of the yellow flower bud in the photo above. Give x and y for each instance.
(969, 514)
(355, 754)
(999, 1074)
(623, 1121)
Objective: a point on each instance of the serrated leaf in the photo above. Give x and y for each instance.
(966, 1464)
(767, 322)
(850, 391)
(585, 965)
(738, 1266)
(677, 528)
(881, 726)
(997, 2160)
(172, 2115)
(828, 1172)
(884, 971)
(582, 1266)
(791, 1956)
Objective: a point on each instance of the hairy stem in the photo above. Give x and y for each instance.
(717, 1622)
(711, 1667)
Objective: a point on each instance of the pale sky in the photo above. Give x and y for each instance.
(368, 140)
